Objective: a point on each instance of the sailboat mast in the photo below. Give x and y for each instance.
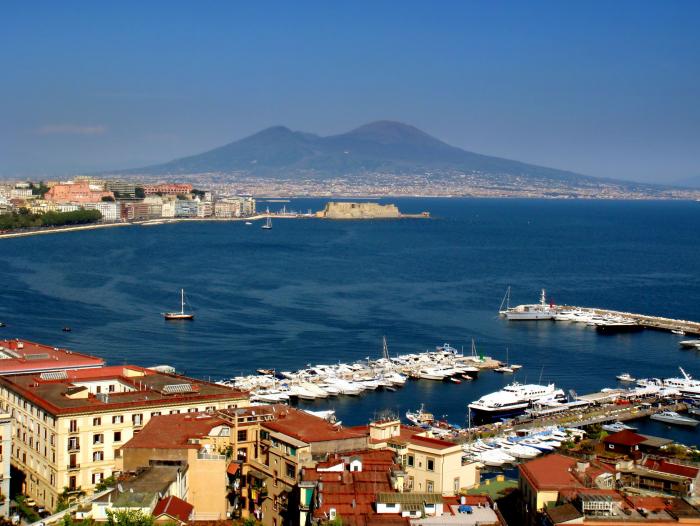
(182, 301)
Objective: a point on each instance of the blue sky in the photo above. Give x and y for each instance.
(603, 88)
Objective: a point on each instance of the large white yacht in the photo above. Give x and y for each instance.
(512, 400)
(687, 385)
(534, 311)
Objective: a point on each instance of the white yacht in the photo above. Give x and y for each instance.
(617, 426)
(625, 377)
(513, 400)
(671, 417)
(535, 311)
(687, 385)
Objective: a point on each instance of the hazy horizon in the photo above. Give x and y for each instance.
(608, 90)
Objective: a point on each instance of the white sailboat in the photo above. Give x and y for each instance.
(268, 221)
(182, 315)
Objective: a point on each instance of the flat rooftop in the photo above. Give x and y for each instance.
(22, 356)
(110, 388)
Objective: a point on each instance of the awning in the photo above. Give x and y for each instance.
(257, 474)
(233, 468)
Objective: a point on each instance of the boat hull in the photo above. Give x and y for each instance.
(177, 316)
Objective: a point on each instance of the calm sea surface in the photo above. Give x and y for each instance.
(311, 291)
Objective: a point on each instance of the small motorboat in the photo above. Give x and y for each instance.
(616, 427)
(680, 332)
(66, 329)
(466, 377)
(455, 380)
(248, 223)
(2, 324)
(625, 377)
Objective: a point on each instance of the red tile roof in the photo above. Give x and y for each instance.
(173, 507)
(307, 428)
(411, 435)
(625, 438)
(22, 356)
(174, 431)
(341, 489)
(673, 469)
(550, 472)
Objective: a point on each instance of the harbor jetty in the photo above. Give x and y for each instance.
(603, 320)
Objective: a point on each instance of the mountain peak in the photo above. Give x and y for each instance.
(388, 132)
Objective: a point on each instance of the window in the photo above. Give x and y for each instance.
(111, 388)
(175, 412)
(137, 419)
(98, 438)
(72, 483)
(97, 478)
(430, 464)
(98, 456)
(291, 470)
(117, 436)
(73, 426)
(211, 408)
(410, 461)
(242, 453)
(192, 410)
(97, 421)
(429, 486)
(243, 435)
(155, 413)
(118, 419)
(455, 486)
(73, 443)
(98, 389)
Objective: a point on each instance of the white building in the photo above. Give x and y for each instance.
(108, 209)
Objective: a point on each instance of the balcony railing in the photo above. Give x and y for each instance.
(73, 467)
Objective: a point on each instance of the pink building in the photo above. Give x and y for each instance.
(75, 193)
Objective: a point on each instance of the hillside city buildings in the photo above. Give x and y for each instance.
(119, 201)
(113, 438)
(187, 450)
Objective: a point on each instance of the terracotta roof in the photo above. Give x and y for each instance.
(173, 507)
(669, 467)
(435, 443)
(625, 438)
(341, 489)
(147, 389)
(308, 428)
(23, 356)
(550, 472)
(174, 431)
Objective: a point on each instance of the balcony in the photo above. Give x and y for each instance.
(73, 448)
(73, 467)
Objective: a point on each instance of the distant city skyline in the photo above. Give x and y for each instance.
(607, 90)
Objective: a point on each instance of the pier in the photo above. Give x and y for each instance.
(647, 322)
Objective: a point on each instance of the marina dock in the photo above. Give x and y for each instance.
(647, 322)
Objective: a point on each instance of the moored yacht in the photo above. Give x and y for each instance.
(671, 417)
(535, 311)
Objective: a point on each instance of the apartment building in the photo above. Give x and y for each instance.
(82, 192)
(69, 423)
(167, 189)
(432, 465)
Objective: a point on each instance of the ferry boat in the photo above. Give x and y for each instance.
(182, 315)
(513, 400)
(671, 417)
(687, 385)
(535, 311)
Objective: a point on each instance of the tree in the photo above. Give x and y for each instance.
(139, 192)
(68, 497)
(129, 518)
(109, 482)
